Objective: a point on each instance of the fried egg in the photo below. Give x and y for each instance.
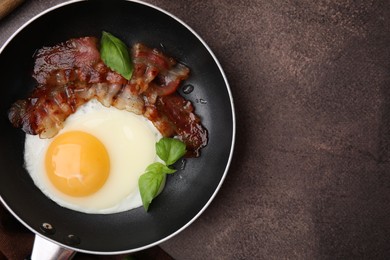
(93, 164)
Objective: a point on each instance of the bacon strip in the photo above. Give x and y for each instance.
(71, 73)
(187, 125)
(73, 59)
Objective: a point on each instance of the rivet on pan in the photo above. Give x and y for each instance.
(47, 229)
(72, 240)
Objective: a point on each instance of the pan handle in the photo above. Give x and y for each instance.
(44, 249)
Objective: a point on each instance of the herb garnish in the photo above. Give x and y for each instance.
(152, 181)
(115, 55)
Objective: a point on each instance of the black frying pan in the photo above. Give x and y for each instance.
(187, 193)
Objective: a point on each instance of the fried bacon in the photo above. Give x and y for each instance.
(70, 74)
(185, 122)
(73, 60)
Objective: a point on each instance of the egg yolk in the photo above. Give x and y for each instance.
(77, 163)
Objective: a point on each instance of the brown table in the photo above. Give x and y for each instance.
(311, 83)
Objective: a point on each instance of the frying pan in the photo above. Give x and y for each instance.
(188, 192)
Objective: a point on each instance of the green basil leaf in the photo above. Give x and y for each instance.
(152, 182)
(170, 150)
(159, 167)
(115, 55)
(149, 185)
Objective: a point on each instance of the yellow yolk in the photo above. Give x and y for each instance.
(77, 163)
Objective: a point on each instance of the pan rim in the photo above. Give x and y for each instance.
(233, 127)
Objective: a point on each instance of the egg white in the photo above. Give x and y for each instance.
(130, 142)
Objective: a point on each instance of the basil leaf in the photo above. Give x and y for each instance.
(115, 55)
(149, 185)
(159, 167)
(170, 150)
(152, 182)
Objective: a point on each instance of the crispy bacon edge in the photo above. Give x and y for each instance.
(71, 73)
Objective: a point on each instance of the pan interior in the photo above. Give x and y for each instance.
(187, 192)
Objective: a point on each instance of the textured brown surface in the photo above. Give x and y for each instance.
(311, 81)
(7, 6)
(15, 240)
